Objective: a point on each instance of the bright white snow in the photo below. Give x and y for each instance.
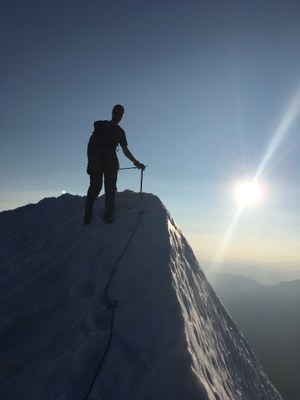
(172, 338)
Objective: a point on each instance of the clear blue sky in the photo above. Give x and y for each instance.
(206, 85)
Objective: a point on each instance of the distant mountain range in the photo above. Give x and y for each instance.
(263, 274)
(269, 318)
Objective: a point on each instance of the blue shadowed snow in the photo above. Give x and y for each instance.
(172, 338)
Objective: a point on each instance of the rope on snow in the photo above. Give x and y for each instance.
(113, 304)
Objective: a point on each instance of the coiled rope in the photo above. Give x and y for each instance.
(113, 304)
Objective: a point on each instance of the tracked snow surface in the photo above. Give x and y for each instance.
(171, 336)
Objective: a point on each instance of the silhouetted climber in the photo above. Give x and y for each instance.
(103, 162)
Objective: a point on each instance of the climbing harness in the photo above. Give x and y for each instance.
(113, 304)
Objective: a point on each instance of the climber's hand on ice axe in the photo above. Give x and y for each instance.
(140, 165)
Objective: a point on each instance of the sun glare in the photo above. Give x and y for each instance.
(248, 193)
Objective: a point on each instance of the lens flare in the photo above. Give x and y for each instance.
(250, 193)
(289, 117)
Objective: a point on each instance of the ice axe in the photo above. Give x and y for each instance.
(141, 179)
(141, 183)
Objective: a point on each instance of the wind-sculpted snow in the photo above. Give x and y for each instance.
(220, 355)
(172, 338)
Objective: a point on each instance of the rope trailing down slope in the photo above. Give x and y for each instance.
(113, 304)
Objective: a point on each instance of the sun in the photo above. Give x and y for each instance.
(248, 193)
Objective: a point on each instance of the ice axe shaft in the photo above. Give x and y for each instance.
(141, 184)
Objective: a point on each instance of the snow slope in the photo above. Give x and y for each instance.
(171, 336)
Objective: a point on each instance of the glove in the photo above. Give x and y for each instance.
(140, 165)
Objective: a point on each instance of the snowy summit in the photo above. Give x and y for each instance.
(114, 312)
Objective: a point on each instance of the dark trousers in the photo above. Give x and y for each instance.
(96, 180)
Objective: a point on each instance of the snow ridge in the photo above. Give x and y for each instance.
(172, 337)
(221, 357)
